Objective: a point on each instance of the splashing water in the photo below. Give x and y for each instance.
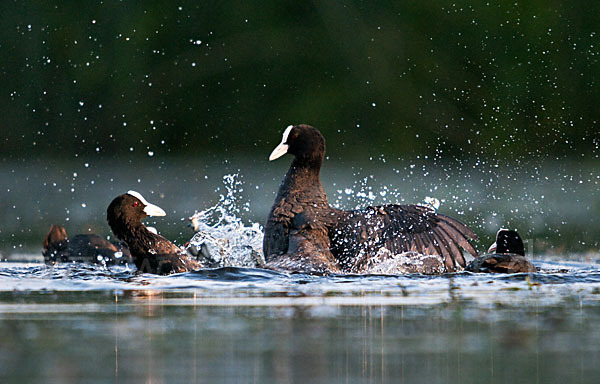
(431, 202)
(222, 239)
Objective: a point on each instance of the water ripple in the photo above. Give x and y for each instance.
(251, 286)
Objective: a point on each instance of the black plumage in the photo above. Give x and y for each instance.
(508, 256)
(304, 233)
(151, 253)
(85, 248)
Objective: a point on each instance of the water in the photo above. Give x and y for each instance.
(72, 322)
(75, 322)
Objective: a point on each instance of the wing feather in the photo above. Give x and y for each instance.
(445, 249)
(456, 253)
(461, 238)
(398, 228)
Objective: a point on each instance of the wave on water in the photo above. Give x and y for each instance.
(16, 276)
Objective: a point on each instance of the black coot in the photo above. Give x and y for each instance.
(84, 248)
(151, 253)
(303, 233)
(508, 256)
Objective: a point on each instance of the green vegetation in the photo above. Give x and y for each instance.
(444, 79)
(491, 106)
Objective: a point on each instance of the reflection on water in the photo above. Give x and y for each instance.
(238, 325)
(145, 338)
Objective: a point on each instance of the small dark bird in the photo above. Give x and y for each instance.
(304, 233)
(506, 255)
(151, 253)
(85, 248)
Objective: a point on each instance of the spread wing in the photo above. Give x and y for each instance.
(361, 234)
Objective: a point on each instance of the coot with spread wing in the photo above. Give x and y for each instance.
(304, 233)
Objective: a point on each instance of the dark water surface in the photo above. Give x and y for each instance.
(75, 322)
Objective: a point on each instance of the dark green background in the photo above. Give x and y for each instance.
(443, 78)
(491, 107)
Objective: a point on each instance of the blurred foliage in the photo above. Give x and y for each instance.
(441, 78)
(464, 84)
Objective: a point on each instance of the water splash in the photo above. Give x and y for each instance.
(222, 239)
(431, 202)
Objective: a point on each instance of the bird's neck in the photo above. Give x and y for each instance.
(137, 237)
(304, 173)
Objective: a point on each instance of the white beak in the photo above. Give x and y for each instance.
(149, 209)
(282, 148)
(152, 229)
(492, 248)
(154, 210)
(279, 151)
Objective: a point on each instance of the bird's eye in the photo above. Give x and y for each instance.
(135, 203)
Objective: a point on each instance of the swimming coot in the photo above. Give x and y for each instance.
(85, 248)
(151, 253)
(508, 256)
(303, 233)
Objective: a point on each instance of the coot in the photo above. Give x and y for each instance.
(85, 248)
(151, 253)
(304, 233)
(508, 256)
